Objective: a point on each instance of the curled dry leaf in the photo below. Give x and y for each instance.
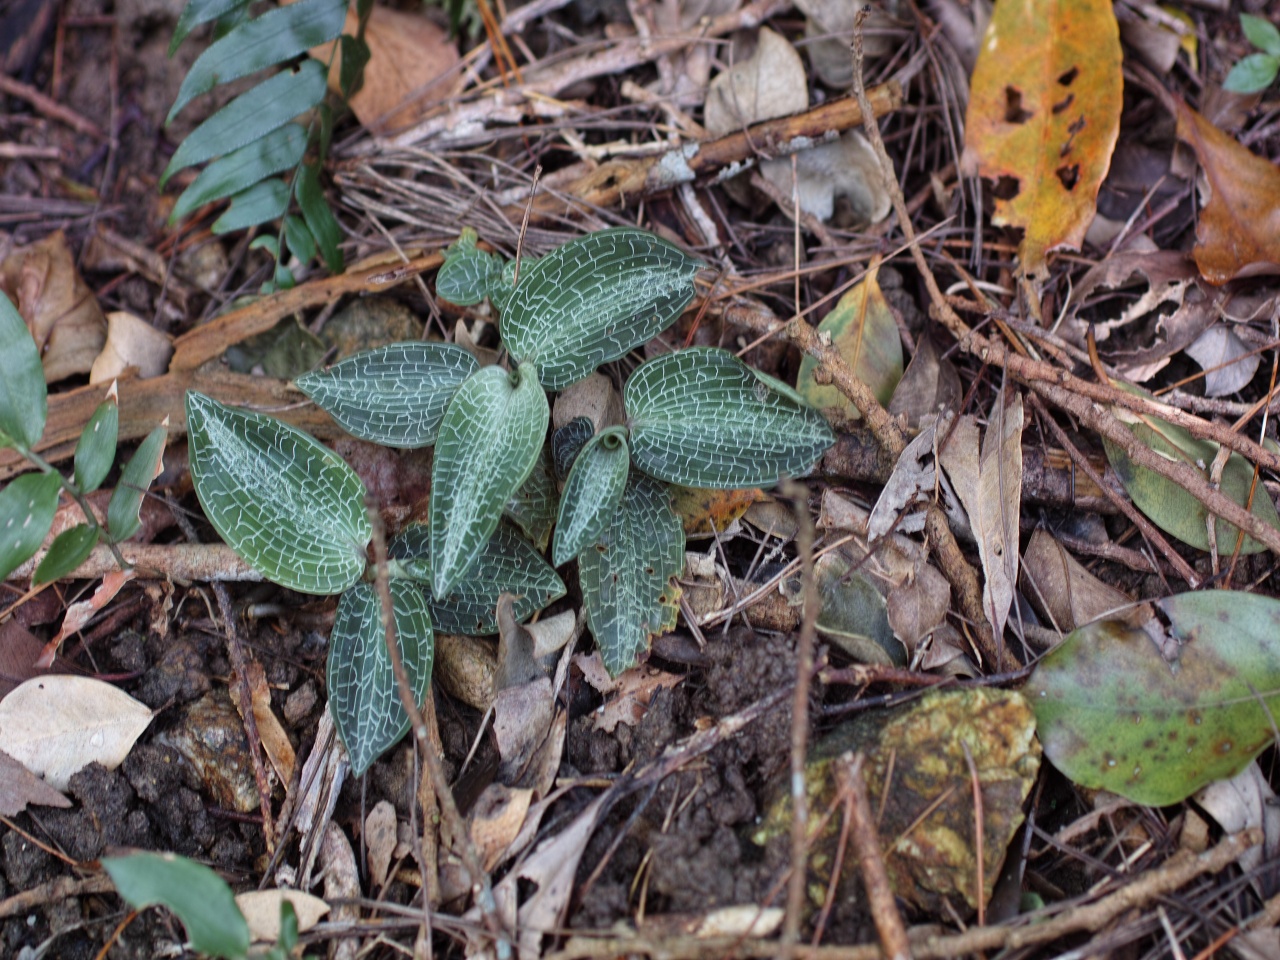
(929, 386)
(20, 787)
(1238, 232)
(1246, 800)
(633, 691)
(495, 821)
(1228, 363)
(261, 908)
(131, 342)
(56, 725)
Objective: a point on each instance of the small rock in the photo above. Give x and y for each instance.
(211, 737)
(300, 703)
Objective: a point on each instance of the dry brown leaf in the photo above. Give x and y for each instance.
(1238, 233)
(1063, 591)
(20, 787)
(81, 612)
(1228, 362)
(918, 605)
(914, 478)
(496, 819)
(767, 85)
(59, 724)
(60, 310)
(593, 397)
(380, 840)
(634, 692)
(275, 742)
(1246, 800)
(341, 883)
(131, 342)
(929, 385)
(261, 908)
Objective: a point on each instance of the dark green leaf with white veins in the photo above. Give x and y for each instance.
(68, 550)
(1113, 713)
(276, 36)
(290, 506)
(124, 517)
(96, 449)
(468, 274)
(394, 395)
(533, 507)
(489, 442)
(625, 575)
(703, 418)
(27, 506)
(508, 564)
(363, 698)
(279, 150)
(23, 403)
(594, 299)
(591, 494)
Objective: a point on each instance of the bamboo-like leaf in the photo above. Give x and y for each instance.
(68, 551)
(468, 274)
(23, 403)
(261, 203)
(363, 698)
(394, 395)
(251, 116)
(625, 575)
(299, 238)
(592, 493)
(279, 150)
(197, 12)
(320, 219)
(703, 418)
(27, 506)
(276, 36)
(507, 564)
(489, 441)
(124, 510)
(593, 299)
(290, 506)
(96, 449)
(200, 898)
(533, 507)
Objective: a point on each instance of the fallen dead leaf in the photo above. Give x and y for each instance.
(261, 908)
(59, 724)
(634, 691)
(380, 840)
(1064, 592)
(1238, 232)
(929, 385)
(20, 787)
(1246, 800)
(1228, 363)
(131, 342)
(275, 742)
(81, 612)
(495, 821)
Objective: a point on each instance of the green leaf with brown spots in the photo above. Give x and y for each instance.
(1113, 713)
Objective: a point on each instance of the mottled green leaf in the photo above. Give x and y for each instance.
(593, 299)
(198, 896)
(124, 510)
(363, 698)
(278, 35)
(261, 203)
(68, 550)
(279, 150)
(320, 219)
(1114, 714)
(592, 493)
(533, 507)
(507, 564)
(27, 506)
(625, 576)
(489, 441)
(23, 403)
(96, 449)
(250, 116)
(468, 274)
(197, 12)
(703, 418)
(394, 395)
(290, 506)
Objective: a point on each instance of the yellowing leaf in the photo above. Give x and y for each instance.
(56, 725)
(863, 329)
(705, 512)
(1044, 114)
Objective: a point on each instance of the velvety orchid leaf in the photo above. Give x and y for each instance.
(592, 493)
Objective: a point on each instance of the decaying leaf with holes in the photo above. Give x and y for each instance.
(1044, 115)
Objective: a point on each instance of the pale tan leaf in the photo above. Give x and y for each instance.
(1246, 800)
(496, 819)
(261, 908)
(1228, 363)
(56, 725)
(20, 787)
(769, 84)
(131, 342)
(380, 840)
(1064, 591)
(81, 612)
(635, 690)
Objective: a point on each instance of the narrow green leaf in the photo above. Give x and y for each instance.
(124, 511)
(1252, 74)
(703, 418)
(507, 564)
(96, 449)
(27, 506)
(278, 35)
(261, 203)
(593, 299)
(198, 896)
(290, 506)
(320, 219)
(533, 507)
(250, 116)
(468, 274)
(23, 403)
(279, 150)
(394, 395)
(363, 697)
(592, 493)
(355, 56)
(1112, 713)
(197, 12)
(68, 551)
(489, 441)
(625, 575)
(299, 238)
(1262, 33)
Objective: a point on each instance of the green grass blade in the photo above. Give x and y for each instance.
(591, 494)
(287, 504)
(23, 400)
(394, 395)
(363, 697)
(27, 506)
(489, 442)
(279, 150)
(703, 418)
